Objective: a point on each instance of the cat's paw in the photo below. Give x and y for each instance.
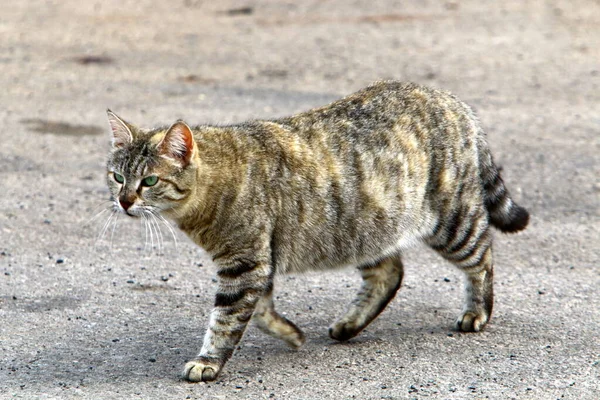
(200, 371)
(343, 331)
(471, 321)
(295, 340)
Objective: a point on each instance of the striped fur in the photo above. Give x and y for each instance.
(351, 183)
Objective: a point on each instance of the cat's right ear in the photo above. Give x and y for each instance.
(121, 132)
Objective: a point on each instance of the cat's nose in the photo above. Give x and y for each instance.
(125, 204)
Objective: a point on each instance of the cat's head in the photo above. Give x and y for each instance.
(150, 171)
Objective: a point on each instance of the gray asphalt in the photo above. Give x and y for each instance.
(117, 318)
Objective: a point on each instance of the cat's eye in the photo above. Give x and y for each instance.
(118, 177)
(150, 180)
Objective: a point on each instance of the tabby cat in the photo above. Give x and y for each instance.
(351, 183)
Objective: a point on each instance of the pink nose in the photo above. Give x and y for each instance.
(125, 204)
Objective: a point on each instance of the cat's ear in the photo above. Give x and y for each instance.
(178, 143)
(121, 132)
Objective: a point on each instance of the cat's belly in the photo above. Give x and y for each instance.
(292, 256)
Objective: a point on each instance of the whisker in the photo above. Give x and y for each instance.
(97, 214)
(167, 224)
(102, 204)
(105, 227)
(158, 227)
(143, 222)
(157, 231)
(146, 234)
(112, 233)
(149, 230)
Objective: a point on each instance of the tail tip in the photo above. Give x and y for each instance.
(518, 220)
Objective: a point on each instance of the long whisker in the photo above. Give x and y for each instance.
(97, 214)
(167, 224)
(158, 226)
(102, 204)
(112, 233)
(105, 227)
(143, 222)
(149, 230)
(157, 231)
(146, 234)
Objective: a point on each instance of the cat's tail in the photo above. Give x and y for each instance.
(505, 214)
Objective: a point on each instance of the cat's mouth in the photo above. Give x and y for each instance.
(133, 212)
(130, 211)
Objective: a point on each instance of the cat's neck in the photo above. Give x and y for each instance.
(216, 170)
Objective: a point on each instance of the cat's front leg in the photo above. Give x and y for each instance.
(240, 287)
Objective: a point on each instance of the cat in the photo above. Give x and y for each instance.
(351, 183)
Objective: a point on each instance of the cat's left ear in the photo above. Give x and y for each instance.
(178, 143)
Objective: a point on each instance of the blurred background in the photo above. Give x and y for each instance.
(103, 316)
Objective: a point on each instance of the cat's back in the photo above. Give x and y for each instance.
(383, 107)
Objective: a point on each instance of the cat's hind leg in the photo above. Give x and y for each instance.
(270, 322)
(468, 245)
(479, 294)
(380, 284)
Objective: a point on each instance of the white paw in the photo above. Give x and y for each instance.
(471, 321)
(200, 371)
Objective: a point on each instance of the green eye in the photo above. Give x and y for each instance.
(150, 181)
(119, 178)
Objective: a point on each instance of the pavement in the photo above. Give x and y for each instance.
(116, 316)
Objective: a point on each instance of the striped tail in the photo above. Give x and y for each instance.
(505, 214)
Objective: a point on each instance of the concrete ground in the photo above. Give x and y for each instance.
(113, 318)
